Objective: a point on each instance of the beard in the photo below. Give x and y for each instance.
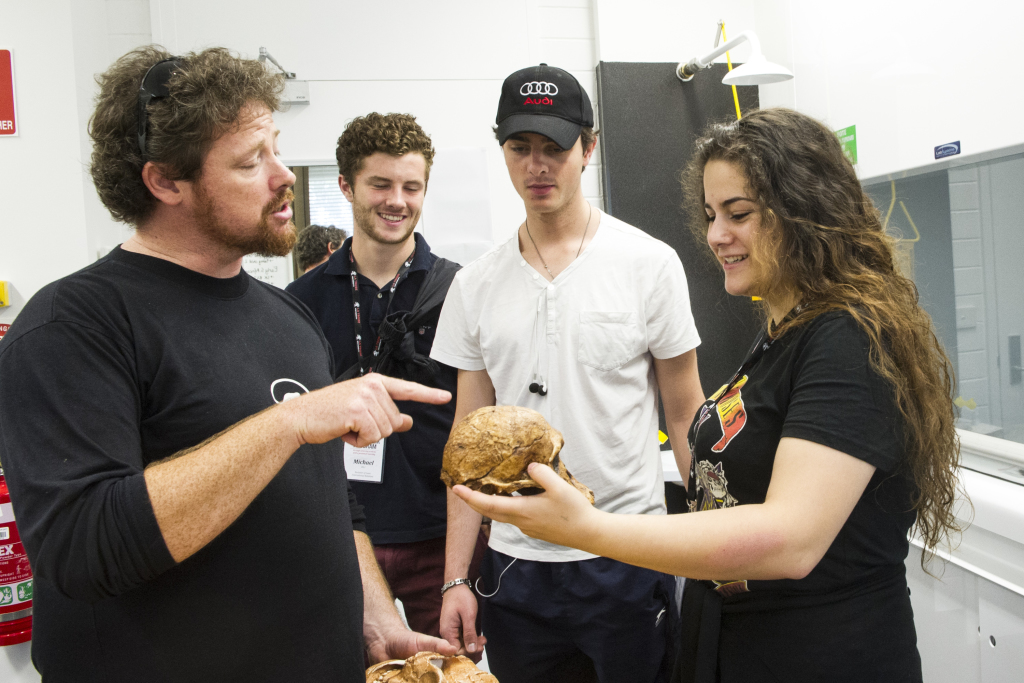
(362, 216)
(264, 241)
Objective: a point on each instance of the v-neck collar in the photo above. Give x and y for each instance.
(569, 269)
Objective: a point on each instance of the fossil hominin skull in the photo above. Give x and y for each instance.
(490, 449)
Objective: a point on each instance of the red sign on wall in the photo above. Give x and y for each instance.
(3, 329)
(8, 119)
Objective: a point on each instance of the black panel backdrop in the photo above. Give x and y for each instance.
(649, 121)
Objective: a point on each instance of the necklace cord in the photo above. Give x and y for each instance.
(586, 229)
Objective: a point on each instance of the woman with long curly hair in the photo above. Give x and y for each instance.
(813, 462)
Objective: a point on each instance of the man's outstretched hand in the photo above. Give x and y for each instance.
(403, 643)
(361, 411)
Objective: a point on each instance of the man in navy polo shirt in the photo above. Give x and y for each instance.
(371, 299)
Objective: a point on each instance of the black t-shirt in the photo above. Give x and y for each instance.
(410, 504)
(814, 383)
(127, 362)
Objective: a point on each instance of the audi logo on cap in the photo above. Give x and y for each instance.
(538, 88)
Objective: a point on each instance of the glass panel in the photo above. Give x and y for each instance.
(961, 236)
(327, 205)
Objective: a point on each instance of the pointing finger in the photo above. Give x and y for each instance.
(401, 390)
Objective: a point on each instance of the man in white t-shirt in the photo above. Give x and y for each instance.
(586, 320)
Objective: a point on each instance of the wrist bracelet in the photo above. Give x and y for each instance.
(455, 582)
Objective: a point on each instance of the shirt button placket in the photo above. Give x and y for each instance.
(551, 297)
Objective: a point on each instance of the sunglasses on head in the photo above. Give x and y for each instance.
(154, 87)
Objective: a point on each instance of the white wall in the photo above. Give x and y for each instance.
(42, 235)
(102, 30)
(668, 30)
(443, 62)
(910, 75)
(674, 31)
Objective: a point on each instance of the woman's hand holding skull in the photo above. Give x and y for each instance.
(559, 515)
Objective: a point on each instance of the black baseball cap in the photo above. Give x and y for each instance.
(546, 100)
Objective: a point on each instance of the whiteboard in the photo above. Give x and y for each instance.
(274, 270)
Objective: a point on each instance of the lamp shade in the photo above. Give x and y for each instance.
(757, 71)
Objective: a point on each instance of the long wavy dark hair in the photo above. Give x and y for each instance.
(821, 240)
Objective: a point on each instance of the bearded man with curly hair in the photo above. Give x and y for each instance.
(170, 426)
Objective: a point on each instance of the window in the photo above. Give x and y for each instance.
(327, 205)
(961, 232)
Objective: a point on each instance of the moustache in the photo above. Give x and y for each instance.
(285, 196)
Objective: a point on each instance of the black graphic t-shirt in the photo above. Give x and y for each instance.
(813, 383)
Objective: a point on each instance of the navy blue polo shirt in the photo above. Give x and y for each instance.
(410, 503)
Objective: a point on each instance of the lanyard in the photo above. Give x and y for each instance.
(757, 351)
(356, 309)
(763, 343)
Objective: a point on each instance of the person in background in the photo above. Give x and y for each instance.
(586, 320)
(378, 300)
(170, 427)
(833, 439)
(315, 244)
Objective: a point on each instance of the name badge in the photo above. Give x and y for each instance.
(366, 463)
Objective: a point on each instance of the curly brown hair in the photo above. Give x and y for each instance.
(821, 239)
(394, 134)
(316, 242)
(208, 93)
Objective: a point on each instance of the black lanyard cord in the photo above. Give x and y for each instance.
(757, 351)
(354, 273)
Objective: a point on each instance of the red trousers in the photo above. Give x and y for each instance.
(415, 572)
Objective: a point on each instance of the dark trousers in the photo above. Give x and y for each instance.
(591, 620)
(415, 572)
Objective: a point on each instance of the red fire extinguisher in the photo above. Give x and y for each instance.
(15, 577)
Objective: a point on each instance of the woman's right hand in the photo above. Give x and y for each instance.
(561, 514)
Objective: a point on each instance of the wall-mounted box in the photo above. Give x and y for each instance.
(295, 92)
(966, 317)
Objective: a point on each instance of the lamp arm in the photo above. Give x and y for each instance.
(266, 56)
(687, 70)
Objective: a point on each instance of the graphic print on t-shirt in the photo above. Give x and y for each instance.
(285, 389)
(712, 488)
(731, 414)
(712, 493)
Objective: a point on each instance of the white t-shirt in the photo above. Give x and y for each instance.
(592, 335)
